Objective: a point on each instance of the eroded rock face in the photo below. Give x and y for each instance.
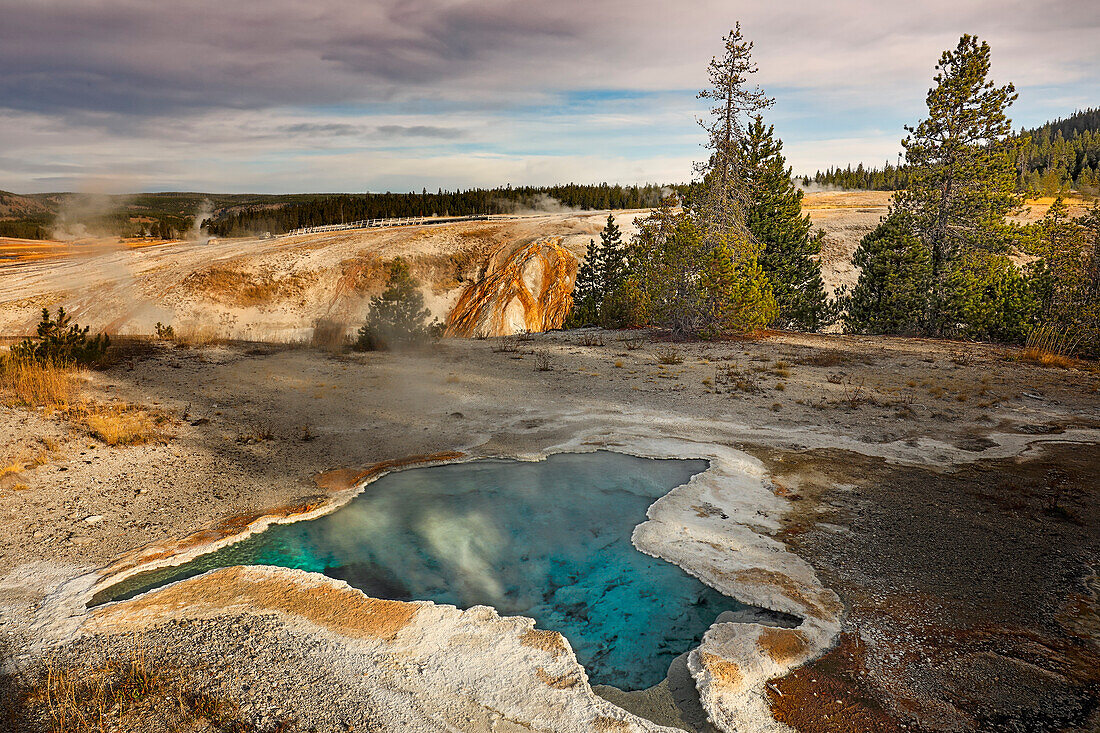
(528, 287)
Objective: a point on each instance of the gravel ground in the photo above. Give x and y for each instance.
(935, 492)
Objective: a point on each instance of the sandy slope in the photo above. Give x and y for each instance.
(274, 289)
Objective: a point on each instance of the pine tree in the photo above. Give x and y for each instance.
(587, 289)
(895, 270)
(775, 219)
(597, 292)
(398, 315)
(725, 195)
(613, 260)
(736, 295)
(961, 159)
(665, 258)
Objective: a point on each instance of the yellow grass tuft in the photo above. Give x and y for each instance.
(123, 426)
(197, 336)
(12, 468)
(29, 383)
(1050, 346)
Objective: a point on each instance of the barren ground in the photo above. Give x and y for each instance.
(946, 491)
(960, 572)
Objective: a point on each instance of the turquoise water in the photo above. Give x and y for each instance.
(548, 540)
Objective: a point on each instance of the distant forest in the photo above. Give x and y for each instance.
(1058, 156)
(355, 207)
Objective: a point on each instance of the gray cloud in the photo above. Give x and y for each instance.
(443, 133)
(141, 58)
(331, 129)
(196, 88)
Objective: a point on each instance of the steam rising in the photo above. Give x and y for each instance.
(196, 232)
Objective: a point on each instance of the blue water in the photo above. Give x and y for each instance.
(549, 540)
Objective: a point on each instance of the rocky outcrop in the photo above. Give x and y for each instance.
(528, 287)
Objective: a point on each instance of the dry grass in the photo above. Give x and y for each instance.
(120, 692)
(1049, 346)
(829, 358)
(30, 384)
(1039, 357)
(124, 426)
(245, 289)
(197, 336)
(54, 388)
(330, 335)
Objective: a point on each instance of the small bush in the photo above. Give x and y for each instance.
(165, 333)
(592, 339)
(543, 362)
(397, 316)
(506, 345)
(669, 355)
(60, 341)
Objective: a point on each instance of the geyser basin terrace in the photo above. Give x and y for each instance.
(549, 540)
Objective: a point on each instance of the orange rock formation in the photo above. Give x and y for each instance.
(526, 288)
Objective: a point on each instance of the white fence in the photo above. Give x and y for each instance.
(405, 222)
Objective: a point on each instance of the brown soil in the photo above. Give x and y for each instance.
(964, 591)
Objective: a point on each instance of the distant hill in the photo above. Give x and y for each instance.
(1058, 156)
(12, 205)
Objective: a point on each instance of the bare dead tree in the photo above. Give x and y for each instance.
(725, 193)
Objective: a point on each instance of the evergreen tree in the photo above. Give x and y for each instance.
(892, 291)
(775, 219)
(587, 288)
(736, 294)
(1067, 277)
(988, 299)
(613, 260)
(725, 195)
(699, 272)
(398, 315)
(961, 163)
(666, 259)
(598, 290)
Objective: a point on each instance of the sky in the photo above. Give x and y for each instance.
(277, 96)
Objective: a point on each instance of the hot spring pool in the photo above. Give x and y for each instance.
(548, 540)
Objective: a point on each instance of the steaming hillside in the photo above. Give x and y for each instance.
(280, 289)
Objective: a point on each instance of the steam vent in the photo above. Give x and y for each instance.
(526, 288)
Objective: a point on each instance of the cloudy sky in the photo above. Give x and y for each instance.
(375, 95)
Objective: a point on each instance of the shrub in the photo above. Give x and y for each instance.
(398, 315)
(669, 355)
(891, 295)
(543, 362)
(60, 341)
(165, 333)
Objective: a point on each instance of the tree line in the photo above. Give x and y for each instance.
(1053, 158)
(340, 208)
